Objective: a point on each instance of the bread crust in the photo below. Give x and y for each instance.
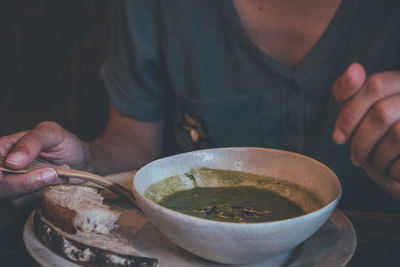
(61, 216)
(64, 245)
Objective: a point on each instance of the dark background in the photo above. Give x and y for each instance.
(50, 56)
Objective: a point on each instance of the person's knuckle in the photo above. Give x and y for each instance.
(382, 114)
(376, 84)
(52, 130)
(49, 126)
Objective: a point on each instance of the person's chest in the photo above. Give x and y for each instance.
(286, 30)
(228, 92)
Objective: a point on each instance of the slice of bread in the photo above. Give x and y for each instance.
(77, 208)
(89, 248)
(72, 221)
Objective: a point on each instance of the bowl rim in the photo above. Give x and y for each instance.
(163, 209)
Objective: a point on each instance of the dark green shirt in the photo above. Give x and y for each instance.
(192, 64)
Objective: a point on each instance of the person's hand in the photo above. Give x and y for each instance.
(50, 142)
(370, 119)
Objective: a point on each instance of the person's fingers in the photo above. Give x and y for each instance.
(13, 186)
(7, 142)
(373, 128)
(376, 87)
(344, 88)
(31, 199)
(26, 200)
(44, 136)
(349, 83)
(387, 150)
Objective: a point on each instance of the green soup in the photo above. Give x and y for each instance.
(232, 196)
(242, 204)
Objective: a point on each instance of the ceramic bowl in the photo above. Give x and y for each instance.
(238, 243)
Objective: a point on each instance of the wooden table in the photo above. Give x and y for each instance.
(378, 238)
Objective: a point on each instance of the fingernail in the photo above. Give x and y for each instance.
(15, 158)
(355, 161)
(339, 137)
(49, 175)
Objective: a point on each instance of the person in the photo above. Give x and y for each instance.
(319, 78)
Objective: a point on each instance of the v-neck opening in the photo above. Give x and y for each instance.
(317, 54)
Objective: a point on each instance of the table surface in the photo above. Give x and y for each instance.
(378, 238)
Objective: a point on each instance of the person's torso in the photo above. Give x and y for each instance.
(229, 92)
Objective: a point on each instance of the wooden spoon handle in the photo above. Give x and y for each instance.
(90, 177)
